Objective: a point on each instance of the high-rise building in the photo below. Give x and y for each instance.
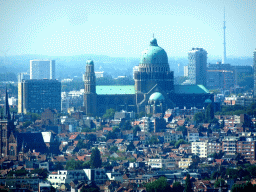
(197, 66)
(186, 71)
(23, 76)
(38, 94)
(254, 67)
(42, 69)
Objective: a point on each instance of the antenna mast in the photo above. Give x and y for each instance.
(224, 43)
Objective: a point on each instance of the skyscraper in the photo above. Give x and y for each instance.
(197, 66)
(254, 68)
(38, 94)
(42, 69)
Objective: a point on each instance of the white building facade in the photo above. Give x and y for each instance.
(42, 69)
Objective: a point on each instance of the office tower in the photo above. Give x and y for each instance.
(197, 66)
(186, 71)
(254, 67)
(35, 95)
(224, 40)
(23, 76)
(42, 69)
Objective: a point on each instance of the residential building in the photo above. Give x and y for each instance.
(42, 69)
(185, 162)
(159, 163)
(197, 66)
(200, 149)
(214, 147)
(246, 147)
(229, 145)
(65, 177)
(97, 175)
(37, 95)
(193, 135)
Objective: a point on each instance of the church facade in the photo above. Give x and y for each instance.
(154, 90)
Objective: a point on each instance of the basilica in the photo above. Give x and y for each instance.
(153, 92)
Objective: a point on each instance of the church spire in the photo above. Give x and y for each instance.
(7, 114)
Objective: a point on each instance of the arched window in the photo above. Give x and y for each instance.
(12, 152)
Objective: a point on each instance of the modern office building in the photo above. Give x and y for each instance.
(186, 71)
(23, 76)
(225, 76)
(35, 95)
(197, 66)
(42, 69)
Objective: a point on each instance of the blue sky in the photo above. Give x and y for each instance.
(118, 28)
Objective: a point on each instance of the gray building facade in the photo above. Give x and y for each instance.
(197, 66)
(42, 69)
(36, 95)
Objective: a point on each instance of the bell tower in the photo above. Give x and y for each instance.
(90, 96)
(8, 143)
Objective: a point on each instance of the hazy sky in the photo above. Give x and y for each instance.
(118, 28)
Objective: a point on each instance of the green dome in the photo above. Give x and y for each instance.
(89, 62)
(208, 101)
(154, 55)
(156, 97)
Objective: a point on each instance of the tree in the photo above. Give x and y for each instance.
(41, 172)
(91, 137)
(126, 126)
(199, 117)
(179, 142)
(74, 165)
(130, 147)
(183, 129)
(135, 130)
(58, 166)
(209, 113)
(160, 185)
(177, 187)
(188, 184)
(109, 114)
(95, 160)
(153, 140)
(111, 135)
(218, 182)
(113, 148)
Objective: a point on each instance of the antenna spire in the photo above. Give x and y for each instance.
(224, 39)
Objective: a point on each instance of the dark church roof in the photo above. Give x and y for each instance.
(32, 141)
(130, 89)
(190, 89)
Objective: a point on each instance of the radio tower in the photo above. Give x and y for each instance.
(224, 43)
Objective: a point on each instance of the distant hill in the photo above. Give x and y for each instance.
(70, 66)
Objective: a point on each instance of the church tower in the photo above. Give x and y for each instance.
(90, 96)
(8, 142)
